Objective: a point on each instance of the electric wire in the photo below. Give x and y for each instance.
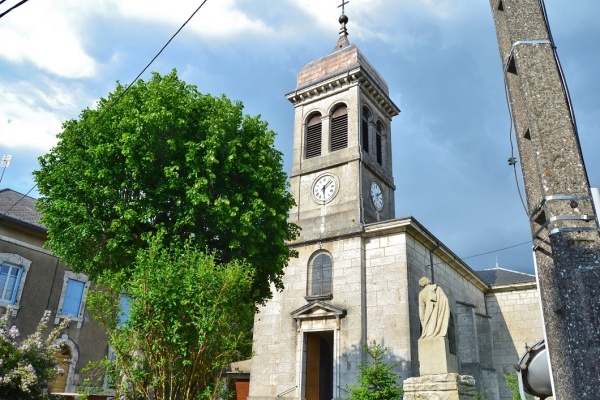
(127, 88)
(564, 82)
(17, 202)
(13, 7)
(494, 251)
(118, 99)
(179, 30)
(510, 138)
(512, 147)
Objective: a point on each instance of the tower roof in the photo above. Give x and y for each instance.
(344, 58)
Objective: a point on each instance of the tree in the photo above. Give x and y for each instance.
(161, 155)
(28, 366)
(376, 381)
(186, 323)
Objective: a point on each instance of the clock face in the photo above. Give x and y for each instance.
(325, 188)
(377, 196)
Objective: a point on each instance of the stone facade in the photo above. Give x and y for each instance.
(516, 322)
(309, 344)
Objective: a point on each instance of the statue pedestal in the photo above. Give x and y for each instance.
(435, 357)
(440, 387)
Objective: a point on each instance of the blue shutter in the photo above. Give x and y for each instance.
(3, 278)
(17, 282)
(73, 296)
(125, 307)
(10, 278)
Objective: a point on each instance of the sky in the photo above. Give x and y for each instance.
(439, 57)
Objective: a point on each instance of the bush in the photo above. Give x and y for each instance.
(376, 381)
(28, 366)
(188, 318)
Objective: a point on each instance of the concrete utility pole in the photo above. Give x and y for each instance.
(563, 225)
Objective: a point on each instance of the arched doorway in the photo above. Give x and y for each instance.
(63, 357)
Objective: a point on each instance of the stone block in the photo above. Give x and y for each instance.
(440, 387)
(435, 357)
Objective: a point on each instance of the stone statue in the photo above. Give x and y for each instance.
(434, 311)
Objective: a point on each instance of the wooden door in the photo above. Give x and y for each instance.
(313, 363)
(60, 382)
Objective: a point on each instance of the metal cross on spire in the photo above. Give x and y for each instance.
(344, 2)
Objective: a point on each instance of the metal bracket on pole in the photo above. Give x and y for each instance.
(583, 217)
(517, 43)
(555, 197)
(578, 217)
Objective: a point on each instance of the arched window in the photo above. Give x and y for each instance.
(364, 129)
(339, 128)
(313, 136)
(378, 143)
(320, 276)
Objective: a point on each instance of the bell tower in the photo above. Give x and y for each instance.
(342, 163)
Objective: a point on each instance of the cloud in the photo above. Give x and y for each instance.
(220, 19)
(45, 34)
(31, 113)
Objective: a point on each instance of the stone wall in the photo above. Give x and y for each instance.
(279, 344)
(387, 307)
(516, 321)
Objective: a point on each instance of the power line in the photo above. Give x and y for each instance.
(13, 7)
(127, 88)
(11, 207)
(494, 251)
(110, 106)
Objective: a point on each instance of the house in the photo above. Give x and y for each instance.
(33, 280)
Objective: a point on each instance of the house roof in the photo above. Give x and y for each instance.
(19, 208)
(501, 276)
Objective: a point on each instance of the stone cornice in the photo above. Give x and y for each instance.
(340, 83)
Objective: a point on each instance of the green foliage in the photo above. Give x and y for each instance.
(513, 384)
(28, 366)
(188, 320)
(166, 157)
(376, 381)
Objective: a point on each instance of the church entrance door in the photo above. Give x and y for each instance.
(319, 366)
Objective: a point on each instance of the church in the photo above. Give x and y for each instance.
(356, 277)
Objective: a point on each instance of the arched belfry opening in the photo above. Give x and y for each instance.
(314, 136)
(339, 128)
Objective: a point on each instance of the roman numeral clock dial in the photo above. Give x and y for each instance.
(377, 196)
(325, 188)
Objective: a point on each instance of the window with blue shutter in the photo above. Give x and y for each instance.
(10, 278)
(125, 308)
(73, 296)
